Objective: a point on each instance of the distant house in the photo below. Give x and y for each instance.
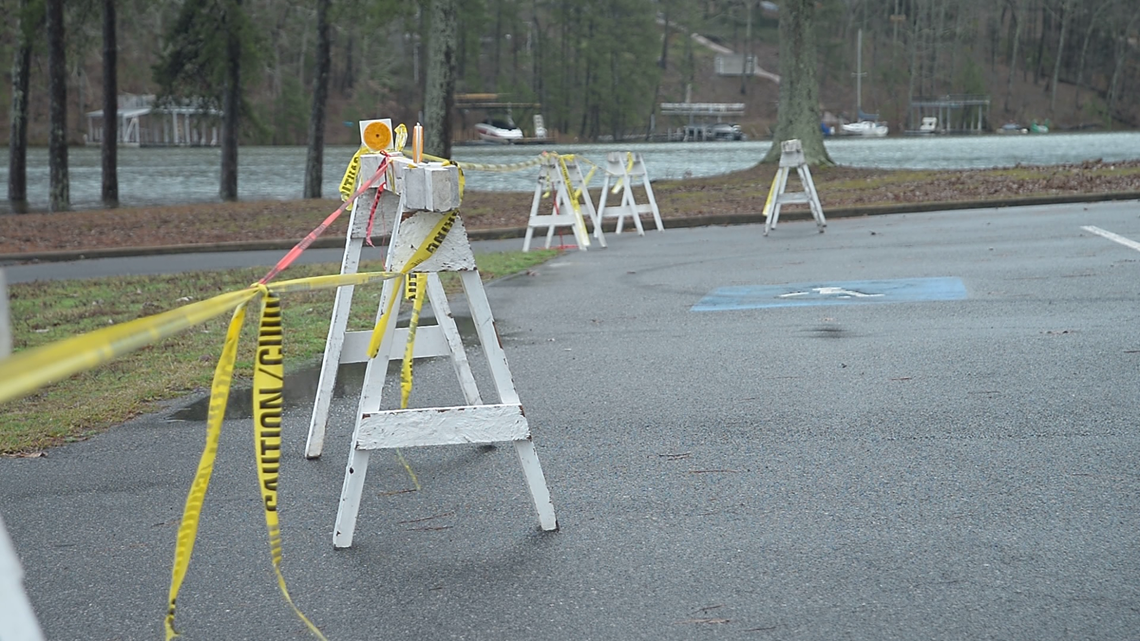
(142, 124)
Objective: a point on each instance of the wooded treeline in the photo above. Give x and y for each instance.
(598, 67)
(1079, 56)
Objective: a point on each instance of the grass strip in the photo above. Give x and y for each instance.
(145, 381)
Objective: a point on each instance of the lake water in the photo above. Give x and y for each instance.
(160, 176)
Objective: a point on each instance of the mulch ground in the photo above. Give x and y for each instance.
(739, 193)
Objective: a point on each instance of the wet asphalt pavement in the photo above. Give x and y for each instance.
(958, 467)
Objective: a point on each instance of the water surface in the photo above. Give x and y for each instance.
(165, 176)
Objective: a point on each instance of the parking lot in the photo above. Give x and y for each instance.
(744, 437)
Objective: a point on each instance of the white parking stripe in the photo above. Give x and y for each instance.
(1127, 242)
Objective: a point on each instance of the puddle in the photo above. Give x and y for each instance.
(301, 386)
(300, 389)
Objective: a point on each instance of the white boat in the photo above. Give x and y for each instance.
(499, 130)
(868, 124)
(865, 128)
(929, 125)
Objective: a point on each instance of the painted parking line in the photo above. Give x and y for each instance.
(857, 292)
(1127, 242)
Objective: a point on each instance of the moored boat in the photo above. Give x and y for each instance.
(499, 130)
(865, 128)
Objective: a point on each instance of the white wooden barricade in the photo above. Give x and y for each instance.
(570, 203)
(17, 619)
(792, 157)
(418, 198)
(622, 170)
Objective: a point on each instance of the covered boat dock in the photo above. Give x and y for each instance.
(957, 114)
(190, 123)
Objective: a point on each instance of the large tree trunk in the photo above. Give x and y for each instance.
(799, 90)
(59, 190)
(18, 139)
(231, 102)
(439, 96)
(315, 158)
(110, 149)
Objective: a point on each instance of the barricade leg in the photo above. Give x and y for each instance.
(356, 469)
(813, 197)
(350, 493)
(315, 442)
(504, 385)
(778, 184)
(533, 212)
(653, 203)
(602, 200)
(630, 205)
(536, 481)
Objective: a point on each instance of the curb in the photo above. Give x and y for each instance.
(503, 233)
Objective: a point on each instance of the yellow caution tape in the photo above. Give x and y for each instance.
(188, 528)
(267, 384)
(768, 201)
(418, 286)
(515, 166)
(27, 371)
(401, 136)
(348, 182)
(579, 221)
(420, 281)
(621, 179)
(410, 285)
(268, 404)
(434, 240)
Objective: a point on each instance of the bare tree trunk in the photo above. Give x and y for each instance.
(231, 102)
(915, 71)
(349, 78)
(439, 97)
(315, 158)
(18, 140)
(110, 149)
(1122, 48)
(799, 89)
(1066, 9)
(1015, 51)
(1039, 69)
(498, 39)
(59, 189)
(1085, 48)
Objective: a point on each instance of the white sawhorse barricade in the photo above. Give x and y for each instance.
(17, 620)
(419, 199)
(622, 170)
(792, 157)
(570, 202)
